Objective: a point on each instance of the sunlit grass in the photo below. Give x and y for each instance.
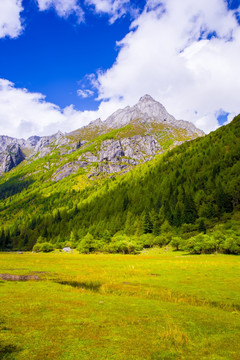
(157, 305)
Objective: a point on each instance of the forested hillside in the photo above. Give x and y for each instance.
(192, 189)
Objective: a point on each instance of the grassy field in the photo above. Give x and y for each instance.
(157, 305)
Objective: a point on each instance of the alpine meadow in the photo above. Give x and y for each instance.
(119, 180)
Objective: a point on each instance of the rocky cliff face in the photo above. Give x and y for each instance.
(13, 151)
(145, 130)
(10, 156)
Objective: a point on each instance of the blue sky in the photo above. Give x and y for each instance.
(54, 54)
(64, 63)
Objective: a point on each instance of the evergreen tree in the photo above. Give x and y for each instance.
(147, 224)
(224, 201)
(202, 226)
(190, 212)
(2, 239)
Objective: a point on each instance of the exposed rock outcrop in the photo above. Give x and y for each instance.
(10, 157)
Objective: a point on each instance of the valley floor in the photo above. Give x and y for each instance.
(157, 305)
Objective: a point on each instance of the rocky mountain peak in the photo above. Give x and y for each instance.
(146, 98)
(153, 109)
(33, 140)
(148, 110)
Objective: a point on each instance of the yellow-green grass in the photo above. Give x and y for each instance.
(157, 305)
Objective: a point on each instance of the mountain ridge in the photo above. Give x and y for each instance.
(147, 119)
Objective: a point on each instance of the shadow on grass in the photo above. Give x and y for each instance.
(88, 285)
(8, 351)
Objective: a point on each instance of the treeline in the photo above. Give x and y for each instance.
(182, 193)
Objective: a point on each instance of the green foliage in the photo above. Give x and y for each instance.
(147, 224)
(43, 247)
(124, 245)
(87, 244)
(226, 241)
(201, 244)
(231, 245)
(177, 243)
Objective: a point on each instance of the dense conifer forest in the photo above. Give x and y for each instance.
(188, 197)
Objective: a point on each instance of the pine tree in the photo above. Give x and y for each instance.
(2, 239)
(190, 212)
(147, 224)
(202, 226)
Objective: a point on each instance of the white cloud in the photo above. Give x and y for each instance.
(85, 93)
(170, 55)
(10, 19)
(64, 8)
(23, 114)
(10, 11)
(114, 8)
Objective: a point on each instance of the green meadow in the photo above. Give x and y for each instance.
(156, 305)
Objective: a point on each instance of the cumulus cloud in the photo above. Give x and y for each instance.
(23, 114)
(64, 8)
(185, 54)
(114, 8)
(10, 18)
(85, 93)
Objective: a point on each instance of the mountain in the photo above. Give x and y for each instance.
(147, 110)
(192, 188)
(128, 137)
(124, 187)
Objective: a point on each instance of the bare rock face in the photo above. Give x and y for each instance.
(10, 157)
(118, 155)
(13, 151)
(135, 148)
(33, 140)
(110, 150)
(68, 169)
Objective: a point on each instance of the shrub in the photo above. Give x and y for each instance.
(201, 244)
(87, 244)
(231, 245)
(46, 247)
(37, 247)
(177, 243)
(146, 240)
(163, 239)
(43, 247)
(123, 244)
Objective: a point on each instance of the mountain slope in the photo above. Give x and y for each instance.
(195, 182)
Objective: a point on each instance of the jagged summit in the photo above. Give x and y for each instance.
(146, 97)
(148, 110)
(153, 109)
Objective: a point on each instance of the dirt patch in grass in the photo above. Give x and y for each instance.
(10, 277)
